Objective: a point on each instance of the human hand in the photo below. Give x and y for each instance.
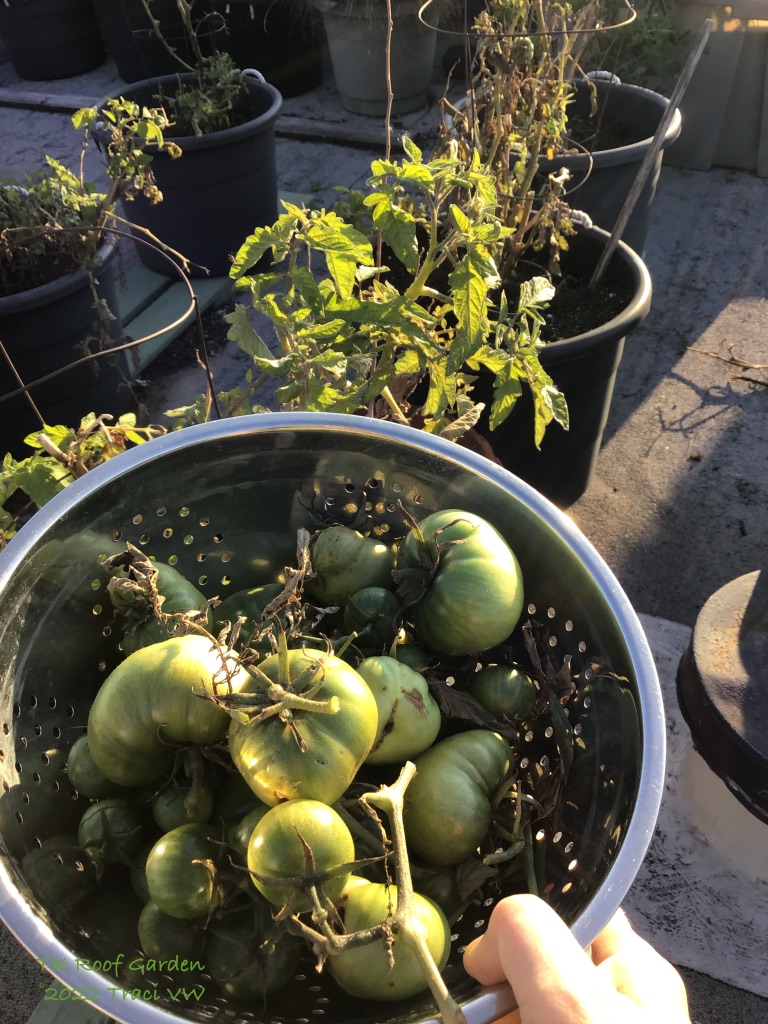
(555, 982)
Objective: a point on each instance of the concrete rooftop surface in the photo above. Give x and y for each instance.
(678, 506)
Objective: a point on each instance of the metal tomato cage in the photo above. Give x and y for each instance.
(222, 502)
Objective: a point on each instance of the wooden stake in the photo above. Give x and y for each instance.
(653, 150)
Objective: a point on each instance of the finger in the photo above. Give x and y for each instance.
(552, 978)
(613, 938)
(631, 963)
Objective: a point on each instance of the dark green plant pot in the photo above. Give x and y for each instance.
(51, 39)
(600, 180)
(584, 369)
(222, 186)
(280, 38)
(357, 40)
(133, 44)
(45, 329)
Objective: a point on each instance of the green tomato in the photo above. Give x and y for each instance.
(138, 874)
(409, 718)
(178, 805)
(504, 691)
(344, 561)
(307, 753)
(248, 604)
(448, 809)
(474, 594)
(372, 613)
(111, 830)
(523, 50)
(240, 835)
(84, 774)
(276, 851)
(246, 959)
(152, 700)
(365, 971)
(414, 656)
(179, 596)
(58, 874)
(162, 937)
(181, 878)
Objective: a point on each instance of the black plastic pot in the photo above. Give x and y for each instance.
(584, 369)
(44, 329)
(51, 39)
(222, 186)
(280, 38)
(132, 42)
(601, 180)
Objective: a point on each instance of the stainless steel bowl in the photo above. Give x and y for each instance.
(222, 501)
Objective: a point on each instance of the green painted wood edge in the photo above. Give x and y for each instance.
(166, 309)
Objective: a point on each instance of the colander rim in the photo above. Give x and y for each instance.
(491, 1002)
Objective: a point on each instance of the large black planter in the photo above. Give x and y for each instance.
(44, 329)
(584, 369)
(601, 180)
(137, 51)
(222, 186)
(50, 39)
(280, 38)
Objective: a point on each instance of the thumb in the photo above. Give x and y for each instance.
(552, 978)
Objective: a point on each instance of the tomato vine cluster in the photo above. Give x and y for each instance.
(239, 756)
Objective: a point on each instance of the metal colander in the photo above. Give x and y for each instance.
(222, 502)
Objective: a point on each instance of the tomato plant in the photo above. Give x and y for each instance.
(460, 582)
(152, 700)
(448, 809)
(315, 733)
(277, 851)
(365, 971)
(408, 716)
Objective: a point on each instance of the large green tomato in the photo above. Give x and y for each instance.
(448, 809)
(474, 586)
(364, 971)
(305, 753)
(152, 700)
(344, 561)
(179, 872)
(409, 717)
(276, 850)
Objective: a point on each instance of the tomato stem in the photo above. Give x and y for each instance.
(405, 924)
